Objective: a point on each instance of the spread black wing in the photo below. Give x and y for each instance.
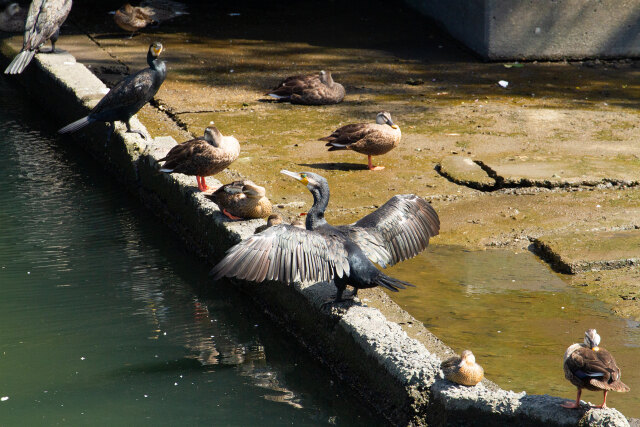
(398, 230)
(287, 254)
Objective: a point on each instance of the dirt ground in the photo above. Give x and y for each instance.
(562, 138)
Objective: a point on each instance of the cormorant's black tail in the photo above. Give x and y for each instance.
(20, 62)
(391, 283)
(78, 124)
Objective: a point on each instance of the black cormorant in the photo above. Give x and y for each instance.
(43, 23)
(398, 230)
(127, 97)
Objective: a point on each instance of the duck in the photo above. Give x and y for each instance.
(463, 370)
(372, 139)
(203, 156)
(12, 18)
(310, 89)
(242, 200)
(127, 97)
(587, 365)
(43, 22)
(135, 18)
(398, 230)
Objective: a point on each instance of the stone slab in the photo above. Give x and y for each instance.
(560, 171)
(464, 171)
(540, 29)
(581, 252)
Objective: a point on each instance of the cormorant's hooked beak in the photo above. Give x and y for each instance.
(297, 176)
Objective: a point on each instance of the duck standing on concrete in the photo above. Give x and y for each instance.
(12, 18)
(242, 200)
(43, 23)
(398, 230)
(463, 370)
(592, 367)
(202, 157)
(135, 18)
(127, 97)
(311, 89)
(372, 139)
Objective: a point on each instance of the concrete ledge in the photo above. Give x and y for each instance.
(397, 375)
(579, 252)
(540, 29)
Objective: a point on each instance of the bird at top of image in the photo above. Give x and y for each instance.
(463, 369)
(127, 97)
(135, 18)
(372, 139)
(398, 230)
(310, 89)
(587, 365)
(203, 156)
(43, 22)
(242, 200)
(12, 18)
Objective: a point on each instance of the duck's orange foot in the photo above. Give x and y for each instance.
(230, 216)
(376, 168)
(570, 405)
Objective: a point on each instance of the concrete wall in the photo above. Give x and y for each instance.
(397, 375)
(540, 29)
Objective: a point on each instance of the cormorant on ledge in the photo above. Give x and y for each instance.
(398, 230)
(127, 97)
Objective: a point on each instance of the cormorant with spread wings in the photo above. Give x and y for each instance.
(398, 230)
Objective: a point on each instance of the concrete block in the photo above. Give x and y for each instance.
(580, 252)
(540, 29)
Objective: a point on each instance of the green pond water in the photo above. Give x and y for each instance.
(106, 320)
(518, 317)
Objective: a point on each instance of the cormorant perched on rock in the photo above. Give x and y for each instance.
(202, 157)
(12, 18)
(43, 23)
(398, 230)
(591, 367)
(311, 89)
(127, 97)
(372, 139)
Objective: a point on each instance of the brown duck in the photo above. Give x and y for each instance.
(463, 370)
(242, 200)
(135, 18)
(372, 139)
(202, 157)
(594, 368)
(311, 89)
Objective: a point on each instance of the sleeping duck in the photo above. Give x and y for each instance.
(372, 139)
(463, 370)
(242, 200)
(134, 18)
(588, 366)
(202, 157)
(12, 18)
(311, 89)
